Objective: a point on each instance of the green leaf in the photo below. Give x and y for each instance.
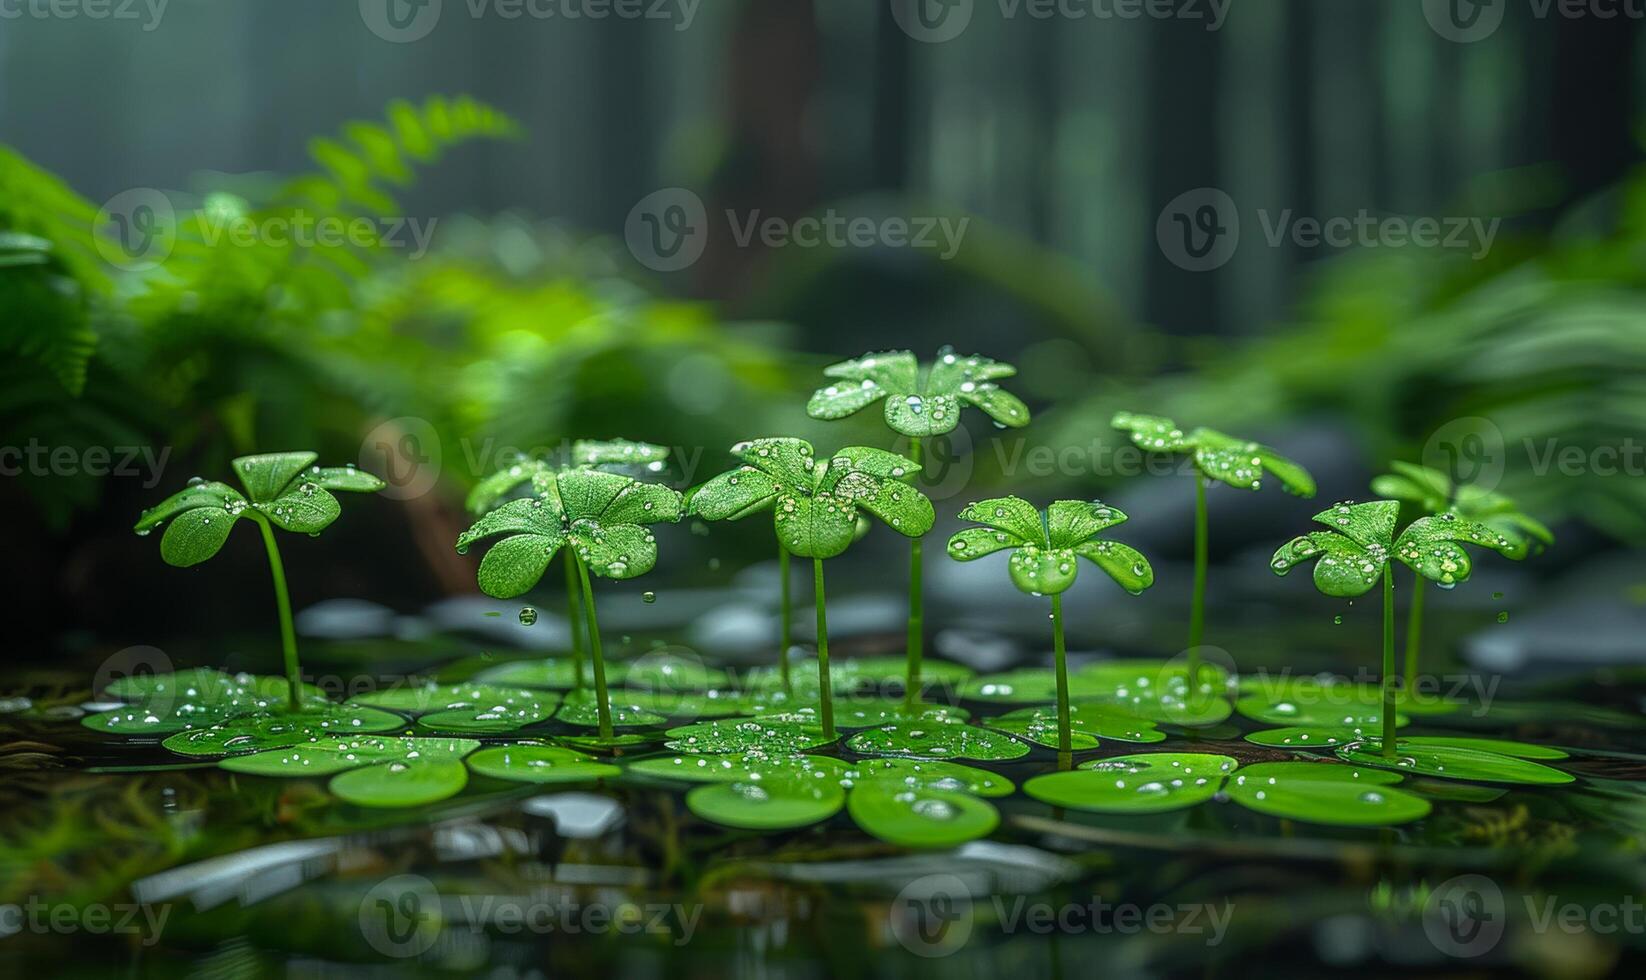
(1073, 522)
(597, 453)
(836, 401)
(1344, 569)
(767, 804)
(700, 768)
(903, 508)
(1041, 572)
(928, 774)
(306, 509)
(349, 478)
(1013, 515)
(1152, 432)
(515, 564)
(535, 515)
(1428, 488)
(486, 493)
(877, 463)
(1325, 793)
(414, 782)
(937, 741)
(266, 475)
(585, 494)
(733, 495)
(212, 495)
(820, 527)
(1368, 525)
(856, 673)
(1089, 722)
(1452, 762)
(1240, 463)
(975, 542)
(581, 708)
(715, 737)
(895, 370)
(615, 551)
(917, 408)
(1123, 563)
(539, 764)
(1153, 782)
(788, 461)
(921, 416)
(254, 733)
(1331, 710)
(643, 503)
(325, 756)
(559, 673)
(1499, 746)
(195, 535)
(854, 712)
(1428, 546)
(476, 708)
(1306, 738)
(922, 817)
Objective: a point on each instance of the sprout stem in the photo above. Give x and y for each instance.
(574, 615)
(825, 694)
(1197, 612)
(1065, 741)
(282, 602)
(917, 613)
(602, 704)
(1388, 661)
(1414, 633)
(787, 622)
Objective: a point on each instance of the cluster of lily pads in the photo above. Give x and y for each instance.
(793, 744)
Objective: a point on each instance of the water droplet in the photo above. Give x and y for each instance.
(528, 616)
(648, 597)
(1503, 617)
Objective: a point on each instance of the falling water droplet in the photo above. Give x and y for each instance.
(1337, 620)
(648, 597)
(528, 616)
(1503, 617)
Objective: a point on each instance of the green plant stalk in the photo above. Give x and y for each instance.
(1065, 741)
(1388, 661)
(1197, 612)
(282, 602)
(917, 611)
(574, 616)
(1414, 633)
(602, 704)
(825, 693)
(786, 629)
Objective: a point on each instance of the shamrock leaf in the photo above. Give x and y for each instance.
(602, 515)
(1220, 457)
(1045, 547)
(283, 489)
(1435, 493)
(920, 402)
(1352, 557)
(622, 456)
(815, 502)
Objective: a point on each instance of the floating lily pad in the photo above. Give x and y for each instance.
(401, 784)
(539, 764)
(866, 713)
(329, 755)
(617, 741)
(1089, 723)
(1153, 782)
(767, 804)
(554, 673)
(466, 708)
(924, 816)
(845, 676)
(1150, 690)
(1340, 709)
(937, 741)
(700, 768)
(1452, 762)
(1307, 738)
(272, 731)
(715, 703)
(929, 774)
(1498, 746)
(202, 684)
(769, 737)
(1325, 793)
(580, 708)
(165, 703)
(663, 672)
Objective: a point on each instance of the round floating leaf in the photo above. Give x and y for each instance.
(539, 764)
(937, 741)
(400, 784)
(772, 738)
(670, 673)
(623, 740)
(920, 816)
(475, 708)
(558, 673)
(767, 804)
(928, 774)
(580, 708)
(276, 730)
(878, 673)
(864, 713)
(1326, 793)
(1306, 738)
(698, 768)
(1089, 722)
(1452, 762)
(1152, 782)
(337, 754)
(1497, 746)
(1331, 710)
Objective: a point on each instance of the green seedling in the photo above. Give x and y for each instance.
(284, 490)
(602, 516)
(921, 402)
(815, 504)
(1217, 457)
(1046, 546)
(1360, 549)
(622, 456)
(1435, 493)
